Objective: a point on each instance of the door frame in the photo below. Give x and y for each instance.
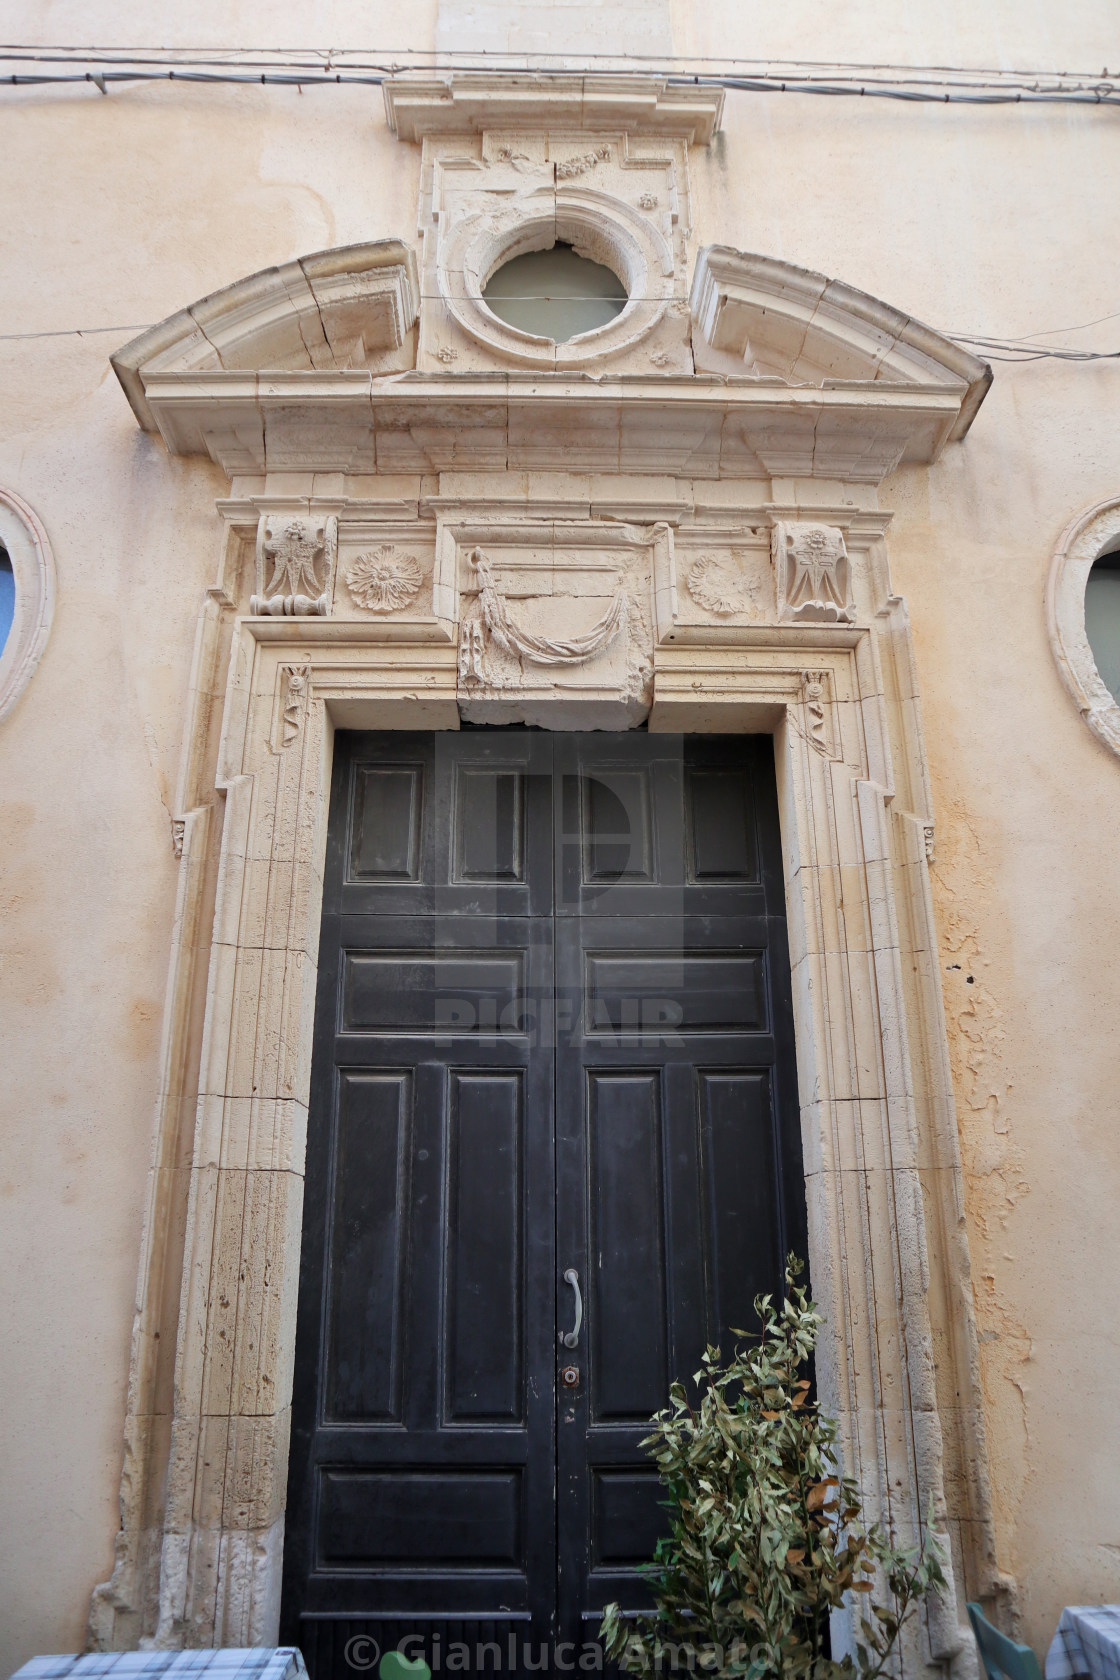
(199, 1556)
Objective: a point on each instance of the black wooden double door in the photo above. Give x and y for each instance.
(553, 1152)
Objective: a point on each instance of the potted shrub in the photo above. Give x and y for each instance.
(766, 1539)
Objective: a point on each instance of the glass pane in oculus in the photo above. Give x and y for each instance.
(1102, 619)
(556, 294)
(7, 597)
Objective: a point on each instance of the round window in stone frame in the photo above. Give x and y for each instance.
(29, 552)
(1092, 536)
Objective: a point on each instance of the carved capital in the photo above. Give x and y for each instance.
(813, 574)
(295, 566)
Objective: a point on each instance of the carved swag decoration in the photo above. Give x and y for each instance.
(298, 556)
(523, 644)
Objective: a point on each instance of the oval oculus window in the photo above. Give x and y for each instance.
(556, 294)
(1102, 618)
(7, 596)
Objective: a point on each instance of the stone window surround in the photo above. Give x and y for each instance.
(28, 549)
(201, 1563)
(1083, 541)
(608, 232)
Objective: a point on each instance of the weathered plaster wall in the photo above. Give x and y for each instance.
(118, 210)
(986, 222)
(114, 213)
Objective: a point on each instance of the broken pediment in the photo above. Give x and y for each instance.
(352, 307)
(775, 371)
(757, 317)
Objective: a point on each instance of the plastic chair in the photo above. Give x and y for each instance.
(1003, 1659)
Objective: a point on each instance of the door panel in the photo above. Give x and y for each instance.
(485, 1310)
(672, 1160)
(421, 1490)
(626, 1288)
(369, 1209)
(553, 1034)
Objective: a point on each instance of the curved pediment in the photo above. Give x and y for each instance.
(352, 307)
(781, 372)
(759, 317)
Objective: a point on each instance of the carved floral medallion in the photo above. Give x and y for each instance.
(383, 579)
(717, 587)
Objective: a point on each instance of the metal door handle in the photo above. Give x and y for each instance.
(570, 1339)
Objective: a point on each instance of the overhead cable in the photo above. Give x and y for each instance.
(992, 349)
(305, 68)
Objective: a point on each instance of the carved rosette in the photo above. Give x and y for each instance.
(383, 580)
(295, 566)
(813, 574)
(717, 587)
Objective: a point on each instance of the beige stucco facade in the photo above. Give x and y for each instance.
(960, 781)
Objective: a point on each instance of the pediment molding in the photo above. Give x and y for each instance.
(353, 306)
(756, 314)
(468, 102)
(312, 367)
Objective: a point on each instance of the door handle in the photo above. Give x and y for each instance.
(570, 1338)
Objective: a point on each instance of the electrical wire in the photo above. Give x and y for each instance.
(80, 332)
(1013, 350)
(309, 67)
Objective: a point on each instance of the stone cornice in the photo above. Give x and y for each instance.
(696, 426)
(468, 102)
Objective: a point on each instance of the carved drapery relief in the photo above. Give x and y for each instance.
(811, 562)
(556, 613)
(543, 650)
(295, 566)
(470, 652)
(383, 579)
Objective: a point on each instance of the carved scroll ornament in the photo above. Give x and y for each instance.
(295, 566)
(813, 693)
(295, 683)
(523, 644)
(813, 574)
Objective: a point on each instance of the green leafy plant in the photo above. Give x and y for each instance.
(766, 1538)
